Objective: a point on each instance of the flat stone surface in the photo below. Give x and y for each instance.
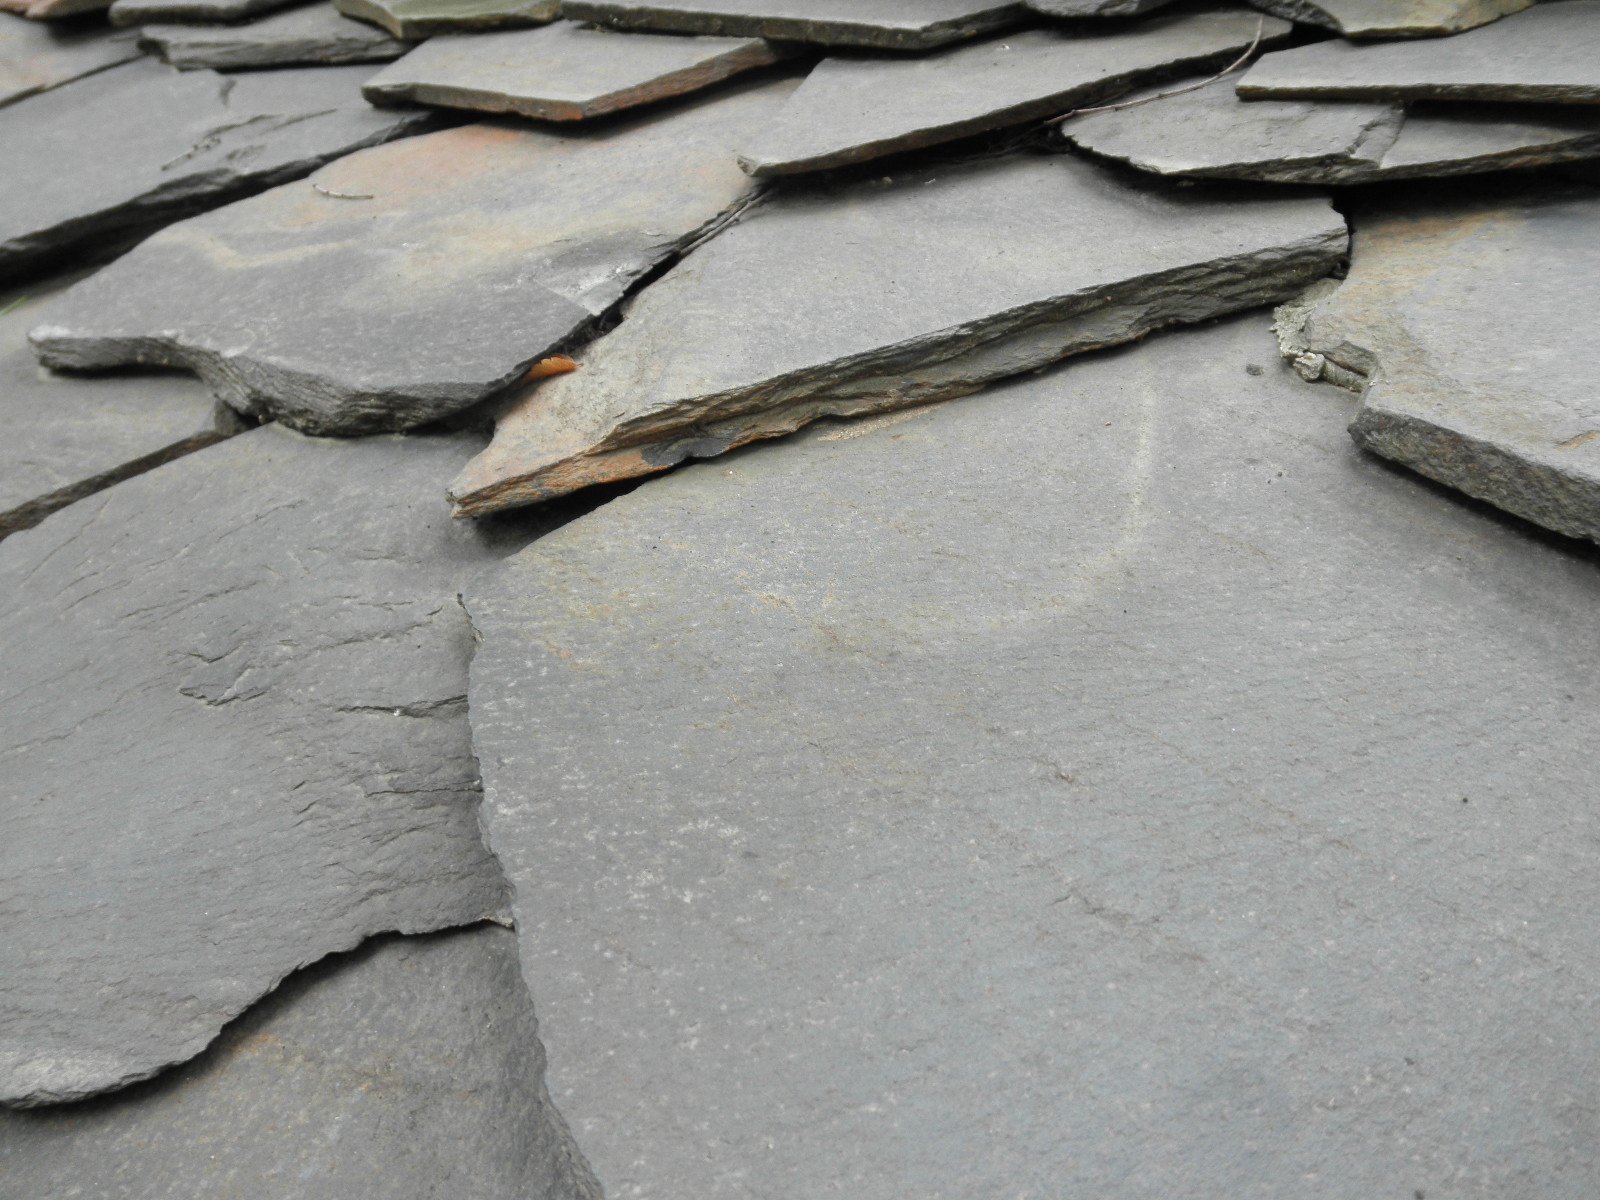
(562, 72)
(1394, 18)
(853, 109)
(878, 24)
(1059, 793)
(1476, 393)
(424, 18)
(879, 297)
(410, 1065)
(1545, 54)
(315, 33)
(1095, 8)
(67, 437)
(35, 57)
(148, 12)
(134, 147)
(234, 741)
(464, 257)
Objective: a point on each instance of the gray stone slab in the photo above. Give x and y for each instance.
(850, 110)
(67, 437)
(878, 297)
(148, 12)
(1475, 393)
(1394, 18)
(1545, 54)
(423, 277)
(132, 148)
(234, 741)
(1444, 140)
(1112, 785)
(425, 18)
(316, 33)
(1076, 9)
(52, 10)
(877, 24)
(564, 71)
(35, 57)
(407, 1069)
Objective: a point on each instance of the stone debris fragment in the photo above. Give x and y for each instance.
(1211, 133)
(1446, 324)
(67, 437)
(234, 741)
(414, 19)
(405, 283)
(1544, 55)
(132, 148)
(36, 57)
(148, 12)
(407, 1065)
(1394, 18)
(564, 71)
(885, 295)
(853, 109)
(315, 34)
(977, 794)
(876, 24)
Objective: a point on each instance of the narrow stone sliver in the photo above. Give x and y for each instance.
(1385, 19)
(148, 12)
(425, 18)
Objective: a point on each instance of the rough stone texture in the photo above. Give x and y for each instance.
(1095, 8)
(424, 18)
(51, 10)
(143, 12)
(408, 1069)
(67, 437)
(853, 109)
(134, 147)
(862, 300)
(469, 255)
(563, 72)
(1211, 133)
(1102, 787)
(35, 57)
(314, 34)
(1447, 318)
(1394, 18)
(1544, 54)
(878, 24)
(232, 740)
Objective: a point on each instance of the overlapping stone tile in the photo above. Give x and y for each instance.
(850, 110)
(1543, 55)
(1394, 18)
(877, 24)
(1095, 8)
(315, 34)
(410, 1065)
(148, 12)
(1446, 322)
(408, 282)
(67, 437)
(35, 57)
(233, 740)
(889, 294)
(52, 10)
(564, 71)
(1211, 133)
(425, 18)
(139, 145)
(1111, 785)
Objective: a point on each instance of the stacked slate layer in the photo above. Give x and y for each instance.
(315, 34)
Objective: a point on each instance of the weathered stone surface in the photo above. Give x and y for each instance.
(879, 24)
(1545, 54)
(463, 257)
(1446, 322)
(35, 57)
(1394, 18)
(1095, 8)
(562, 72)
(879, 297)
(853, 109)
(313, 34)
(51, 10)
(233, 741)
(1211, 133)
(406, 1067)
(146, 12)
(67, 437)
(424, 18)
(134, 147)
(1102, 787)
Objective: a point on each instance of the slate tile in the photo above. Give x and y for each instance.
(1077, 9)
(52, 10)
(885, 295)
(1394, 18)
(148, 12)
(875, 24)
(35, 57)
(423, 18)
(314, 34)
